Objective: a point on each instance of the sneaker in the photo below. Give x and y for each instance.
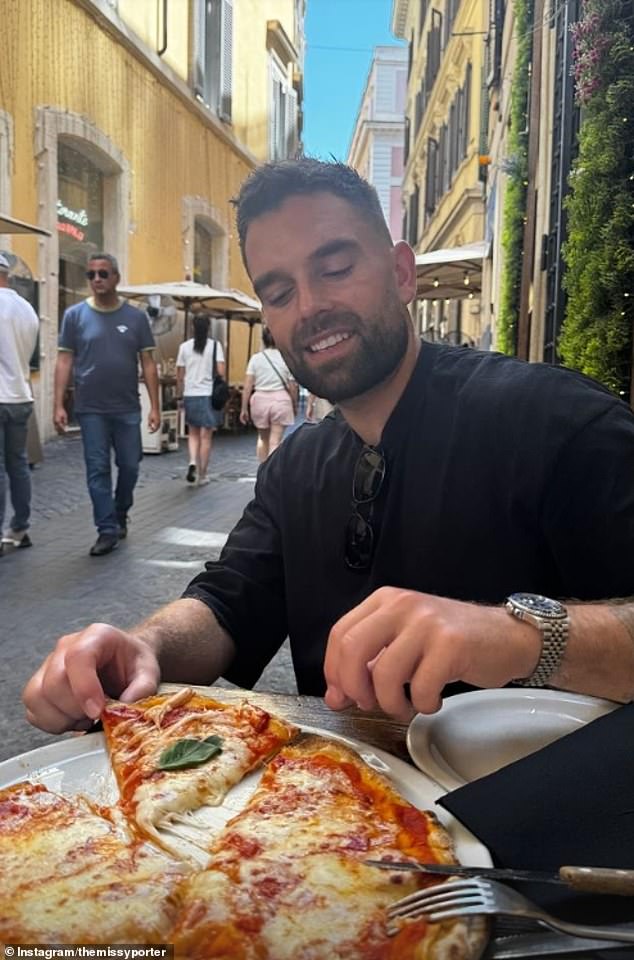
(191, 473)
(203, 481)
(122, 520)
(17, 538)
(106, 543)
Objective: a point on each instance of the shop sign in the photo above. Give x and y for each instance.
(71, 221)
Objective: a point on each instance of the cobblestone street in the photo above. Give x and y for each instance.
(55, 587)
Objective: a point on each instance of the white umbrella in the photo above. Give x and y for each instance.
(452, 273)
(230, 303)
(11, 225)
(187, 292)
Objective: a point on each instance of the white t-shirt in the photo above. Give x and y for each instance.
(198, 367)
(18, 335)
(265, 376)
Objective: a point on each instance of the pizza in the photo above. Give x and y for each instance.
(172, 754)
(284, 879)
(71, 873)
(288, 879)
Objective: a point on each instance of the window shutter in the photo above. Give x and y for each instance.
(291, 122)
(226, 60)
(198, 79)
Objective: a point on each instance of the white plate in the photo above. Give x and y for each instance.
(478, 732)
(80, 765)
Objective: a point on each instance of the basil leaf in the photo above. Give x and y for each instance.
(189, 752)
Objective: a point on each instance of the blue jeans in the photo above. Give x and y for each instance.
(100, 433)
(14, 463)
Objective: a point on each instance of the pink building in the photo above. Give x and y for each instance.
(376, 148)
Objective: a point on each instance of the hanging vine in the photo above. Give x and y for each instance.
(516, 168)
(596, 336)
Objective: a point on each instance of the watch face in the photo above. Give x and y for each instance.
(540, 606)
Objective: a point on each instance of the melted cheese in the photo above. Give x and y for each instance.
(138, 734)
(69, 874)
(289, 868)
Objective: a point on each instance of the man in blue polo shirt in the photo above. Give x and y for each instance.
(101, 342)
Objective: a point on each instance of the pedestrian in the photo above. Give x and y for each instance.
(269, 396)
(100, 344)
(19, 327)
(427, 532)
(199, 360)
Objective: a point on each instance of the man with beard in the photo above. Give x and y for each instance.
(389, 541)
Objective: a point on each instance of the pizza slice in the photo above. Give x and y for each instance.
(72, 874)
(175, 753)
(289, 882)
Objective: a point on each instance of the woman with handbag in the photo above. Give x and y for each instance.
(199, 361)
(269, 395)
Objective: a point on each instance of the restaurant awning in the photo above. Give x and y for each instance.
(452, 273)
(11, 225)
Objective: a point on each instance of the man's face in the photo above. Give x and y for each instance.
(333, 293)
(101, 277)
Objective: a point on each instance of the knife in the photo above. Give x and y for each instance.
(547, 944)
(588, 879)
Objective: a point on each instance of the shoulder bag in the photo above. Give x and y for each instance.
(293, 396)
(220, 388)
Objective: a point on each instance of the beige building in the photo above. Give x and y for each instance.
(123, 126)
(376, 148)
(445, 166)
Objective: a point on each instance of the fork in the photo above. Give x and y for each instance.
(461, 898)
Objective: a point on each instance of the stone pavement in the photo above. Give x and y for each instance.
(55, 587)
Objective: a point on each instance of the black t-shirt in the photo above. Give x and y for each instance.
(501, 476)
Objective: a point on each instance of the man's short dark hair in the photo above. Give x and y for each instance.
(271, 184)
(106, 256)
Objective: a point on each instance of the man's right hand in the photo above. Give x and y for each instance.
(69, 690)
(60, 419)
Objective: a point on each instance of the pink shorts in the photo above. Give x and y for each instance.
(271, 406)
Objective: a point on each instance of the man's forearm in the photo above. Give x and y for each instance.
(188, 641)
(150, 375)
(599, 658)
(63, 369)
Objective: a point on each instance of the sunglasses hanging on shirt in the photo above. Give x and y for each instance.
(367, 480)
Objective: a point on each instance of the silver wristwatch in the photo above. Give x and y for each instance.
(551, 619)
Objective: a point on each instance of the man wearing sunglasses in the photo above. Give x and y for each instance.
(425, 533)
(100, 344)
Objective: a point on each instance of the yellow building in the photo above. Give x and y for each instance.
(444, 163)
(125, 126)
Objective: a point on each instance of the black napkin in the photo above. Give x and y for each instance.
(571, 802)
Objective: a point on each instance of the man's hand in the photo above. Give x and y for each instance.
(244, 417)
(400, 636)
(70, 688)
(154, 420)
(60, 419)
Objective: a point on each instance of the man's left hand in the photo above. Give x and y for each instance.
(154, 420)
(397, 637)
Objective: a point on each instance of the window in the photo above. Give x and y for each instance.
(203, 253)
(282, 113)
(431, 183)
(497, 13)
(80, 207)
(213, 48)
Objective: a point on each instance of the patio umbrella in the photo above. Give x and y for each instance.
(230, 303)
(11, 225)
(187, 292)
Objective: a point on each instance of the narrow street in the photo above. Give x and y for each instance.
(56, 588)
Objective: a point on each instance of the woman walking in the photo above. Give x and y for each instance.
(194, 377)
(269, 394)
